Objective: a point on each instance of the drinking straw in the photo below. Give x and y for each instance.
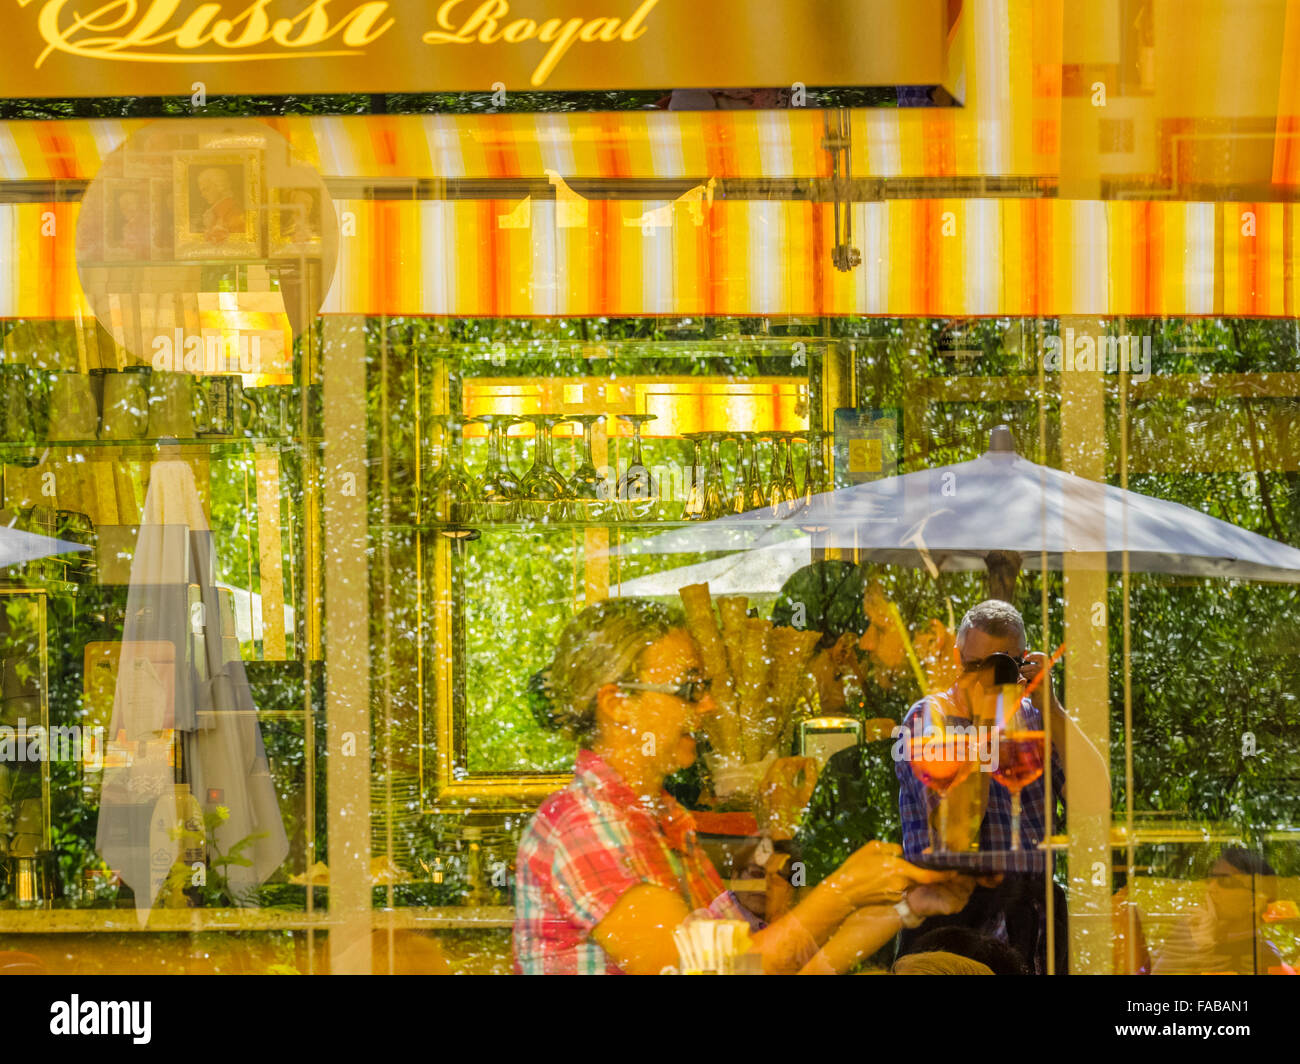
(907, 647)
(1044, 671)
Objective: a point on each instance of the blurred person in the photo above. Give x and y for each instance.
(977, 946)
(610, 866)
(939, 963)
(1223, 935)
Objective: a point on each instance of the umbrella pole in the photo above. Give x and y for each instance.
(1003, 569)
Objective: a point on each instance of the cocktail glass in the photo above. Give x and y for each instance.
(941, 761)
(1020, 762)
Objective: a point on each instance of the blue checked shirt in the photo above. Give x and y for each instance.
(915, 802)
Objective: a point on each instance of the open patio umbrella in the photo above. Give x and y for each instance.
(17, 546)
(1000, 511)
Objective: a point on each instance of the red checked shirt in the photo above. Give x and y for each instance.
(588, 845)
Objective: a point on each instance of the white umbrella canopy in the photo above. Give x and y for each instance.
(951, 518)
(761, 571)
(17, 546)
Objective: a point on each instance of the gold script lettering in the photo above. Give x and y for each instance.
(255, 27)
(482, 25)
(484, 19)
(139, 32)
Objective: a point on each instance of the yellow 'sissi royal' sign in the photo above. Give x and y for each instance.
(147, 47)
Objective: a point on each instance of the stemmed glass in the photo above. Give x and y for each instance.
(1020, 762)
(715, 487)
(590, 489)
(941, 761)
(498, 490)
(748, 493)
(636, 491)
(814, 469)
(449, 491)
(779, 493)
(544, 491)
(694, 509)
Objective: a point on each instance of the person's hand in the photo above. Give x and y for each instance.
(941, 899)
(876, 874)
(1035, 662)
(785, 791)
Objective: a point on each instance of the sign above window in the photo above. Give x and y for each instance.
(221, 47)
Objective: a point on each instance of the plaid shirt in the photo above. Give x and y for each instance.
(915, 804)
(587, 846)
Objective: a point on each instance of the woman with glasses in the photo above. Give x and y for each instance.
(610, 866)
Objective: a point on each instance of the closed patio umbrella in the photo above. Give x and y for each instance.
(182, 711)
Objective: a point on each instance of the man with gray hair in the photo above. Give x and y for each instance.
(992, 650)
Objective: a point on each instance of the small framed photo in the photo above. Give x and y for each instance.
(128, 217)
(216, 196)
(295, 221)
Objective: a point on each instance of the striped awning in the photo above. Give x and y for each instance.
(943, 258)
(676, 213)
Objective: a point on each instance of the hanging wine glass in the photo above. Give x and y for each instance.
(715, 487)
(821, 468)
(498, 490)
(787, 477)
(591, 489)
(545, 492)
(748, 494)
(636, 491)
(449, 493)
(774, 494)
(694, 509)
(814, 469)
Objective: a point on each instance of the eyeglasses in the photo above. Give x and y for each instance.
(692, 690)
(990, 662)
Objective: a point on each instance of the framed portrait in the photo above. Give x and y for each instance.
(127, 220)
(216, 204)
(296, 221)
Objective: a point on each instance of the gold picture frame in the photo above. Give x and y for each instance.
(296, 222)
(128, 220)
(217, 198)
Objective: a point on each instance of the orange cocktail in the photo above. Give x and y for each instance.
(1020, 762)
(941, 762)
